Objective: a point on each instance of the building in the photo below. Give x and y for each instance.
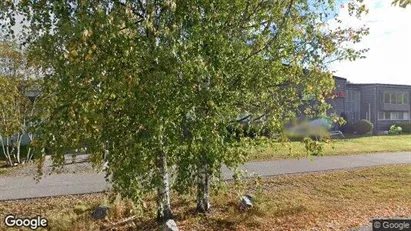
(382, 104)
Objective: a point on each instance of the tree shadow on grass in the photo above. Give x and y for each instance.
(230, 216)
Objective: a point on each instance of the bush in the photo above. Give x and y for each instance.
(406, 127)
(254, 130)
(242, 130)
(235, 131)
(347, 128)
(249, 130)
(267, 131)
(363, 127)
(395, 129)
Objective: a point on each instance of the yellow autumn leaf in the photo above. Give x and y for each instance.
(74, 53)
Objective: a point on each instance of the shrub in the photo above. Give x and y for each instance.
(244, 130)
(363, 127)
(257, 129)
(235, 130)
(267, 131)
(347, 128)
(395, 129)
(251, 130)
(406, 127)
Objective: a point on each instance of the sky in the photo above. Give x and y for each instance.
(389, 41)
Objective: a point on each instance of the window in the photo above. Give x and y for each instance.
(400, 98)
(387, 97)
(352, 101)
(349, 101)
(350, 95)
(387, 115)
(395, 97)
(393, 116)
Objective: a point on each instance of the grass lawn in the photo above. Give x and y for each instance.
(296, 149)
(322, 201)
(350, 145)
(3, 167)
(6, 170)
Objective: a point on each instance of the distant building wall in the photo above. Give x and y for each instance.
(374, 105)
(337, 103)
(389, 112)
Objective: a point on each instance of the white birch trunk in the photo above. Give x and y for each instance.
(18, 147)
(203, 186)
(10, 152)
(29, 155)
(5, 151)
(163, 192)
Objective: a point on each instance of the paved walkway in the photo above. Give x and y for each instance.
(65, 184)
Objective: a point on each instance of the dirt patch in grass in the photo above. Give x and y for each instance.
(348, 146)
(321, 201)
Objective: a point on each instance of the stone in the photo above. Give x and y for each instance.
(100, 212)
(105, 165)
(246, 201)
(170, 225)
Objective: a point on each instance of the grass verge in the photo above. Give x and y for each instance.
(296, 149)
(348, 146)
(320, 201)
(6, 170)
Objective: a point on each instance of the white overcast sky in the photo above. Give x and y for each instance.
(389, 41)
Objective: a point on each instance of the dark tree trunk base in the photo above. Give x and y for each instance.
(164, 216)
(203, 210)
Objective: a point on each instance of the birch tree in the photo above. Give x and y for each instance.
(163, 80)
(17, 109)
(253, 58)
(110, 75)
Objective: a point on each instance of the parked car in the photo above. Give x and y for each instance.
(319, 127)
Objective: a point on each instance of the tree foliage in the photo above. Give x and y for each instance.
(401, 3)
(17, 110)
(157, 83)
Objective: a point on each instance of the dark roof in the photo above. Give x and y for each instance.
(336, 77)
(377, 84)
(353, 86)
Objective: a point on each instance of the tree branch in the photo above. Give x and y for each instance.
(269, 42)
(136, 11)
(126, 220)
(279, 29)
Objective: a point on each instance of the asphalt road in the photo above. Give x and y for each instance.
(12, 188)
